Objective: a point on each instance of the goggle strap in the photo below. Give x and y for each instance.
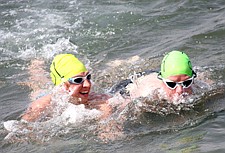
(194, 74)
(159, 76)
(57, 71)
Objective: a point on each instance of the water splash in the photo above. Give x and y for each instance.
(66, 116)
(209, 83)
(62, 45)
(49, 50)
(59, 118)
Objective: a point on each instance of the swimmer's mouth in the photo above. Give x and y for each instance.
(84, 92)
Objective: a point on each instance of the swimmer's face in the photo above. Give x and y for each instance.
(80, 89)
(178, 90)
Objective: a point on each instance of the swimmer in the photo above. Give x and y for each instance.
(71, 76)
(176, 74)
(174, 79)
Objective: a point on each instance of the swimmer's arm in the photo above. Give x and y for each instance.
(36, 108)
(99, 101)
(114, 128)
(37, 77)
(117, 100)
(98, 97)
(106, 110)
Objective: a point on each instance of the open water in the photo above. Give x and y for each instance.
(115, 38)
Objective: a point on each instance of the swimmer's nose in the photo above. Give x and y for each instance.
(179, 89)
(87, 83)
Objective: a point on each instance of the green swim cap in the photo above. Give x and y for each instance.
(176, 63)
(65, 66)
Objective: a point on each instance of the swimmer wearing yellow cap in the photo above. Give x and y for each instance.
(68, 71)
(70, 75)
(65, 66)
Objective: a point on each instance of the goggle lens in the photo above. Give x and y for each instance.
(187, 83)
(171, 84)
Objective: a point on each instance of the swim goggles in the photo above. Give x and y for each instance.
(79, 80)
(172, 85)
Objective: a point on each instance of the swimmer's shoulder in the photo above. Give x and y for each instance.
(42, 102)
(122, 85)
(149, 78)
(36, 108)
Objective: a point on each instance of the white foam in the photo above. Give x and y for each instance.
(76, 114)
(11, 125)
(67, 113)
(61, 45)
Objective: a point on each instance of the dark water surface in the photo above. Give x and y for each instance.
(103, 33)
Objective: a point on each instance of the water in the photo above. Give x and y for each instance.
(107, 35)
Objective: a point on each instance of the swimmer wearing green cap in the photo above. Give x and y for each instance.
(176, 73)
(175, 78)
(71, 76)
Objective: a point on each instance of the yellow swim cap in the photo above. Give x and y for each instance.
(65, 66)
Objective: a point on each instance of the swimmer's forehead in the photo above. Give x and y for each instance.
(81, 74)
(178, 78)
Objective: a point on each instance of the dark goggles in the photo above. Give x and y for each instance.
(79, 80)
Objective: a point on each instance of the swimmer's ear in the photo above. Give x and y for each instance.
(66, 85)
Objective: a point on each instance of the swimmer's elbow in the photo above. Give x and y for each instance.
(32, 115)
(28, 118)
